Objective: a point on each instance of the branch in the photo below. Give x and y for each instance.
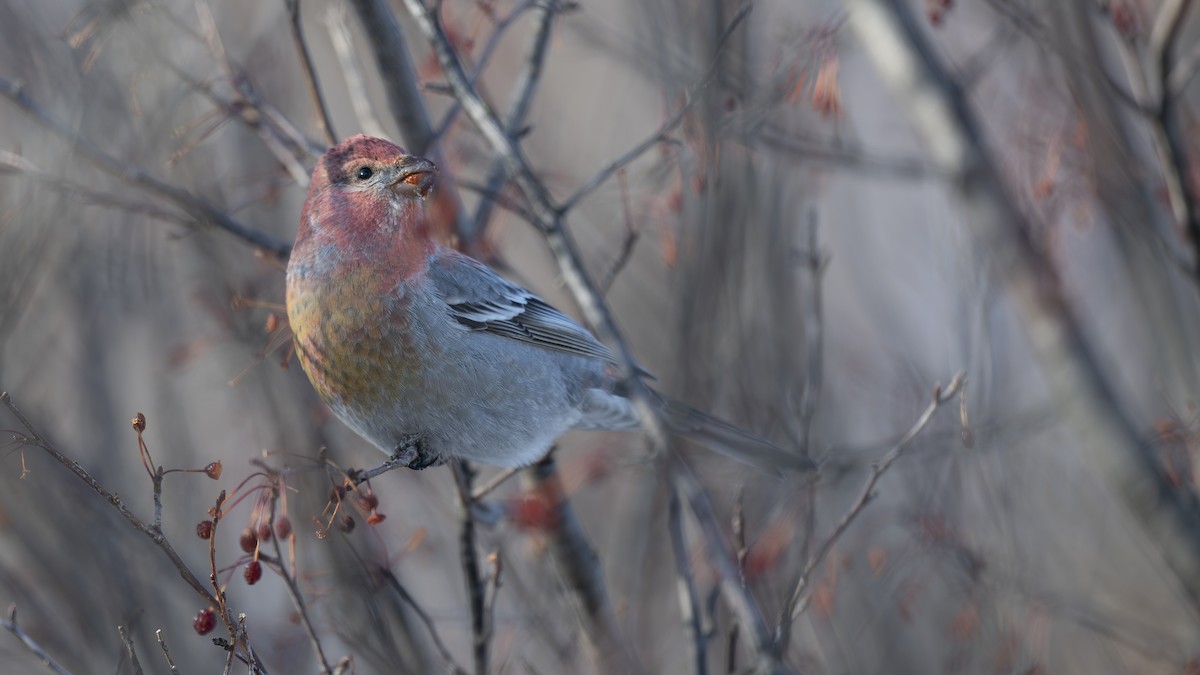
(343, 47)
(1168, 130)
(155, 535)
(310, 73)
(519, 108)
(794, 607)
(1087, 399)
(485, 55)
(133, 659)
(197, 207)
(425, 619)
(689, 601)
(577, 561)
(723, 560)
(34, 648)
(463, 477)
(162, 642)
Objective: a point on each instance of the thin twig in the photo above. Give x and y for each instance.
(485, 56)
(133, 659)
(199, 208)
(579, 565)
(724, 562)
(492, 483)
(310, 73)
(35, 438)
(10, 624)
(407, 598)
(798, 600)
(162, 642)
(293, 588)
(632, 232)
(518, 110)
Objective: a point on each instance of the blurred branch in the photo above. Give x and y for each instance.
(527, 83)
(282, 137)
(1045, 38)
(425, 619)
(1168, 130)
(798, 600)
(628, 242)
(848, 157)
(343, 47)
(1109, 436)
(580, 567)
(197, 207)
(133, 659)
(289, 581)
(10, 625)
(310, 73)
(464, 475)
(689, 601)
(724, 562)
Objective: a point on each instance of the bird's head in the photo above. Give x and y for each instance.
(363, 165)
(365, 202)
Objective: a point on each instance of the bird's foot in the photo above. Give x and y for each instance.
(410, 453)
(414, 454)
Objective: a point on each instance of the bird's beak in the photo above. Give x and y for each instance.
(416, 176)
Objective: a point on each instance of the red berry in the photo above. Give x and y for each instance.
(283, 527)
(213, 470)
(375, 518)
(204, 529)
(264, 531)
(248, 541)
(205, 621)
(253, 572)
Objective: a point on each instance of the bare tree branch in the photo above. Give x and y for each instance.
(310, 73)
(133, 659)
(1170, 516)
(464, 475)
(685, 580)
(522, 99)
(1168, 130)
(580, 567)
(10, 625)
(798, 600)
(197, 207)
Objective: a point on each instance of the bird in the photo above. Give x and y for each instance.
(429, 354)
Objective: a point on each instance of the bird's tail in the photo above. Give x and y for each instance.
(730, 440)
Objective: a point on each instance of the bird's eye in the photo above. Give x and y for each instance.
(365, 173)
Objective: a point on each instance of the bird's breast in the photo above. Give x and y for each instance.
(352, 337)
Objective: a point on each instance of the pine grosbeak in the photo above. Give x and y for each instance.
(424, 350)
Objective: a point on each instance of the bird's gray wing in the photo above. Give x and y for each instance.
(481, 300)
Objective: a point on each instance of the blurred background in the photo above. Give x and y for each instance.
(789, 257)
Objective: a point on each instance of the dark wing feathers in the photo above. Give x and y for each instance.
(479, 299)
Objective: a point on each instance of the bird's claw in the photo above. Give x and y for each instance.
(412, 453)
